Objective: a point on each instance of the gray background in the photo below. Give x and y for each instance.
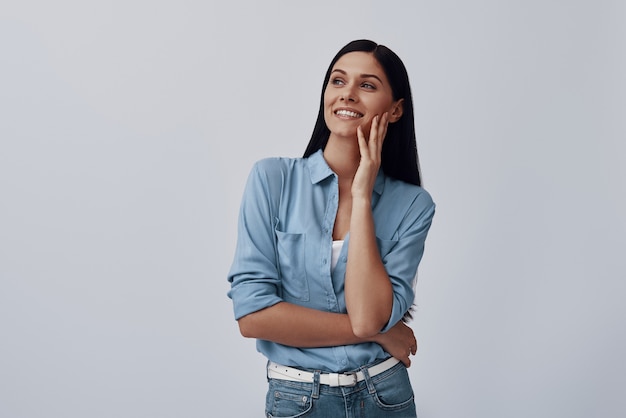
(127, 131)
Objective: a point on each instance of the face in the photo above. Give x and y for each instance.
(357, 91)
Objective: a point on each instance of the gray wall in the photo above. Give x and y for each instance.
(128, 128)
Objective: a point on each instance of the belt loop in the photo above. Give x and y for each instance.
(316, 384)
(368, 380)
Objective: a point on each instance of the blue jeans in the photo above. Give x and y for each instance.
(388, 394)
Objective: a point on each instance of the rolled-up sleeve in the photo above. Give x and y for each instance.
(402, 261)
(254, 277)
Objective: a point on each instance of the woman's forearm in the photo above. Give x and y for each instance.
(297, 326)
(369, 294)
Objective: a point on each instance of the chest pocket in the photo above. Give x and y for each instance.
(291, 259)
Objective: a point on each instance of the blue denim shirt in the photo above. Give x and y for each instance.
(284, 246)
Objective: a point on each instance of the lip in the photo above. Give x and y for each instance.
(345, 116)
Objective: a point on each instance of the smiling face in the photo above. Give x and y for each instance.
(357, 91)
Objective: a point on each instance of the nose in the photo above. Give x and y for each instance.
(347, 94)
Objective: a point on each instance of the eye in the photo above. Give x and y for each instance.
(337, 81)
(368, 86)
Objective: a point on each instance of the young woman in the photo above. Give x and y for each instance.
(329, 245)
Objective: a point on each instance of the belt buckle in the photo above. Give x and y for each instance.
(355, 379)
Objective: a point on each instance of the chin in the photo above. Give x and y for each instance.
(344, 131)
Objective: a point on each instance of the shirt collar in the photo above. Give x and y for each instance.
(319, 169)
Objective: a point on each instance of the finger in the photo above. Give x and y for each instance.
(405, 360)
(383, 128)
(362, 141)
(381, 131)
(383, 124)
(373, 140)
(374, 127)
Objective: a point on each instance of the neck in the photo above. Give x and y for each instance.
(343, 156)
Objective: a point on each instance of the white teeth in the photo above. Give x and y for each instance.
(348, 113)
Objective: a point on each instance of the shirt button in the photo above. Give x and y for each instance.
(324, 261)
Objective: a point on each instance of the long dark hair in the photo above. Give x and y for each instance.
(399, 154)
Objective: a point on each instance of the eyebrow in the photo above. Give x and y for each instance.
(362, 75)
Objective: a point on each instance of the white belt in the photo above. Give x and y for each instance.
(277, 371)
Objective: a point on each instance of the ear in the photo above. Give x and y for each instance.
(397, 108)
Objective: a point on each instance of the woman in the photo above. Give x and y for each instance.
(329, 245)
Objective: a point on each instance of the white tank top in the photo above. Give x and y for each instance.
(337, 245)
